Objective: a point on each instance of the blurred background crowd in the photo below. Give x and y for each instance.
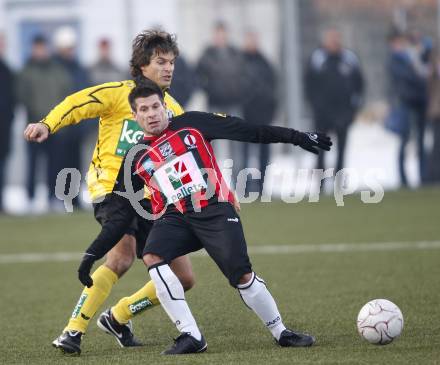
(365, 71)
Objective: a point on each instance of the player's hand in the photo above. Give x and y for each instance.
(84, 270)
(36, 132)
(312, 141)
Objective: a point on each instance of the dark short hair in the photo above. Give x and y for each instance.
(39, 39)
(144, 89)
(146, 44)
(395, 33)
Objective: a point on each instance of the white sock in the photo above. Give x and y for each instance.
(257, 297)
(171, 295)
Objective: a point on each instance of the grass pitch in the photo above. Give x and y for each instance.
(320, 292)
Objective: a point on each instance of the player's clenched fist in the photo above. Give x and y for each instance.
(36, 132)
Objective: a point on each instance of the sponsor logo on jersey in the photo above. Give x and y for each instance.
(131, 133)
(79, 305)
(180, 178)
(186, 191)
(140, 305)
(233, 220)
(166, 150)
(178, 175)
(190, 141)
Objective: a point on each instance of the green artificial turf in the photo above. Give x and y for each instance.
(319, 292)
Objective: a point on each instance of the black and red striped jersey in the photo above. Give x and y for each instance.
(179, 166)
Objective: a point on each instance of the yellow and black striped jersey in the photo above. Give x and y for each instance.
(117, 130)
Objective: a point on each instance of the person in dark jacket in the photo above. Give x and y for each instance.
(260, 98)
(41, 84)
(408, 86)
(220, 74)
(434, 117)
(7, 103)
(104, 69)
(184, 82)
(65, 42)
(334, 88)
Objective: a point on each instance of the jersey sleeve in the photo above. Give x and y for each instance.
(88, 103)
(218, 126)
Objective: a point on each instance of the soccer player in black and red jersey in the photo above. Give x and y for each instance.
(193, 207)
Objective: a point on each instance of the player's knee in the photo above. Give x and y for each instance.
(237, 279)
(245, 278)
(188, 281)
(119, 264)
(151, 259)
(121, 257)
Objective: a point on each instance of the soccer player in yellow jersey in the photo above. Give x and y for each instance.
(153, 56)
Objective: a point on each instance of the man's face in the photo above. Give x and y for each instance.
(151, 115)
(160, 69)
(40, 51)
(220, 37)
(332, 41)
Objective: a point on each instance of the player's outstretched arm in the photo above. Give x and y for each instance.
(93, 102)
(215, 126)
(36, 132)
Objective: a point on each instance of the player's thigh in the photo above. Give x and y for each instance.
(222, 235)
(182, 267)
(171, 237)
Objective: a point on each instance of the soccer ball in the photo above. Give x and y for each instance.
(380, 322)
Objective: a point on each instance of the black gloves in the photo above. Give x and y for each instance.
(84, 269)
(311, 141)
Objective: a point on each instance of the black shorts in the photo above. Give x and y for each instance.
(112, 208)
(217, 229)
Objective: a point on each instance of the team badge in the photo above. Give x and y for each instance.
(190, 141)
(166, 149)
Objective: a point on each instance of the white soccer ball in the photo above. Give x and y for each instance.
(380, 321)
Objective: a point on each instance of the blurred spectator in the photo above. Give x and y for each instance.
(334, 88)
(260, 97)
(434, 117)
(41, 84)
(73, 140)
(65, 43)
(408, 87)
(104, 70)
(184, 81)
(220, 73)
(7, 103)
